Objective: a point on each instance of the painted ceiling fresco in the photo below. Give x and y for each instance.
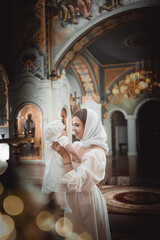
(73, 19)
(84, 72)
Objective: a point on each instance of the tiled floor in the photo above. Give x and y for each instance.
(134, 171)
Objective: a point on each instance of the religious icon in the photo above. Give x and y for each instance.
(29, 130)
(69, 10)
(29, 124)
(110, 5)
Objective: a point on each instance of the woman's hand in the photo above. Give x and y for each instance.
(59, 149)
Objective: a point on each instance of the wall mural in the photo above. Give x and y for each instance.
(110, 5)
(69, 10)
(31, 60)
(95, 33)
(30, 38)
(29, 28)
(84, 74)
(135, 86)
(70, 19)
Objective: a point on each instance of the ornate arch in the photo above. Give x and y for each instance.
(4, 112)
(117, 109)
(28, 95)
(142, 103)
(99, 27)
(78, 80)
(87, 79)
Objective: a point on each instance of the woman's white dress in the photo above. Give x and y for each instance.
(89, 210)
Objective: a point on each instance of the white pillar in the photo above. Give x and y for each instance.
(61, 99)
(56, 99)
(44, 145)
(108, 126)
(70, 128)
(131, 133)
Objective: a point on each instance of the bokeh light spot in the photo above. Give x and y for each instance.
(3, 166)
(13, 205)
(1, 188)
(64, 227)
(45, 221)
(7, 227)
(72, 236)
(85, 236)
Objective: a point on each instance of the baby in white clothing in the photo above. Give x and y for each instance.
(54, 171)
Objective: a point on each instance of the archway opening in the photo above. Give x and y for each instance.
(119, 133)
(149, 130)
(29, 121)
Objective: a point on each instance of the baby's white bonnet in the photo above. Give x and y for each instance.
(53, 130)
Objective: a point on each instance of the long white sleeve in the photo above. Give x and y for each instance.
(89, 173)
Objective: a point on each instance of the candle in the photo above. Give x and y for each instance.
(2, 135)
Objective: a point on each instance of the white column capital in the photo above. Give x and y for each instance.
(131, 117)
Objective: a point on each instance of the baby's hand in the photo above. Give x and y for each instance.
(73, 158)
(78, 159)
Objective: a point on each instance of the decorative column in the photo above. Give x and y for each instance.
(61, 99)
(56, 99)
(132, 136)
(44, 145)
(107, 126)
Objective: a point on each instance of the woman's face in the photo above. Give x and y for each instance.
(78, 127)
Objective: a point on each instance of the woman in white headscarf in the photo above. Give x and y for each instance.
(89, 210)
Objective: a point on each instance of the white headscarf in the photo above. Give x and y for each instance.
(94, 133)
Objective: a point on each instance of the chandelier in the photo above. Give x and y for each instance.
(144, 78)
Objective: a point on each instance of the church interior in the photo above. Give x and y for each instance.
(57, 57)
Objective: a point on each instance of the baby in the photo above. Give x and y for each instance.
(54, 171)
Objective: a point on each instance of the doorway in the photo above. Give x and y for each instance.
(149, 129)
(119, 133)
(29, 122)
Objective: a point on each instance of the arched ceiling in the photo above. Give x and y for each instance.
(130, 42)
(126, 37)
